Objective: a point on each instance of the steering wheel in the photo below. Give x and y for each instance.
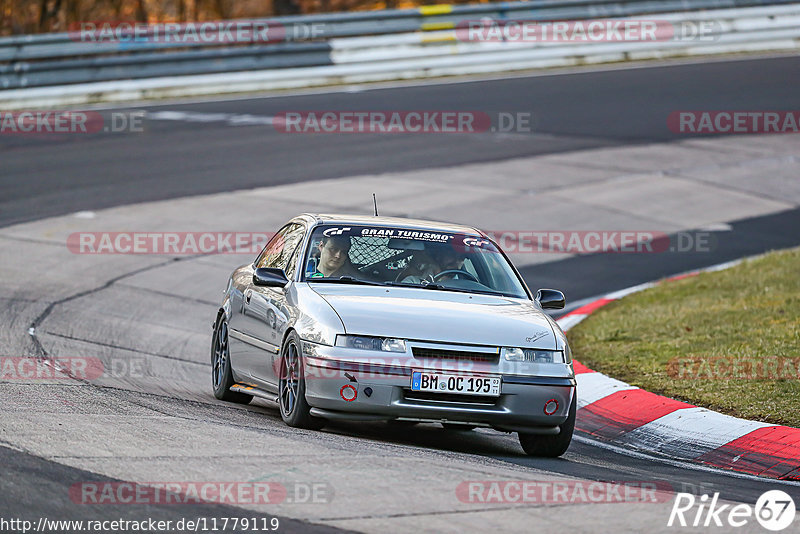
(456, 272)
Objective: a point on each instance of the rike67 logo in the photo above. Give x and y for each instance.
(774, 510)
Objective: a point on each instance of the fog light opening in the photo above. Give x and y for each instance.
(550, 407)
(348, 393)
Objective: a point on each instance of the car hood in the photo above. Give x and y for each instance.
(445, 316)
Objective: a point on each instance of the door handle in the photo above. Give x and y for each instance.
(247, 296)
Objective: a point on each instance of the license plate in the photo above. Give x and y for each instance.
(488, 386)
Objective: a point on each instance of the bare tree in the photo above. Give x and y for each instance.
(285, 7)
(141, 11)
(47, 14)
(222, 9)
(116, 5)
(43, 14)
(192, 13)
(73, 12)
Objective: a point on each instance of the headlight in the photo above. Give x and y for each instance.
(385, 344)
(513, 354)
(310, 349)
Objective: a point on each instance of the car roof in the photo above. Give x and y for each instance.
(371, 220)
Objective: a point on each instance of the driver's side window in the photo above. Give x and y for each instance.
(280, 250)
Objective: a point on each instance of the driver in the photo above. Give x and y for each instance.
(429, 264)
(448, 259)
(334, 260)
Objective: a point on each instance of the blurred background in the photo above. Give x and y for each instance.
(37, 16)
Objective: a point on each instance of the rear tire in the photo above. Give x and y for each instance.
(295, 410)
(551, 446)
(221, 371)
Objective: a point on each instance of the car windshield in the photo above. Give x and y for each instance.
(376, 255)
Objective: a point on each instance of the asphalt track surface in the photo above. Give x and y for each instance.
(609, 107)
(44, 487)
(611, 272)
(53, 176)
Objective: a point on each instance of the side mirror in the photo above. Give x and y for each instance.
(550, 299)
(269, 277)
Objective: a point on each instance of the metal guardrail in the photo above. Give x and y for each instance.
(62, 58)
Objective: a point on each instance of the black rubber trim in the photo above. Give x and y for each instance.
(539, 380)
(357, 367)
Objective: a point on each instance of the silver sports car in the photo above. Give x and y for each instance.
(383, 319)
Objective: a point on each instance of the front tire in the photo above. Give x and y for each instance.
(551, 446)
(295, 410)
(221, 371)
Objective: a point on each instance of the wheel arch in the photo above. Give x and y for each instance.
(286, 336)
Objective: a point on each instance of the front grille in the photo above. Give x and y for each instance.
(448, 354)
(448, 397)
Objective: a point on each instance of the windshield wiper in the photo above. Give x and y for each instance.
(431, 285)
(490, 292)
(346, 280)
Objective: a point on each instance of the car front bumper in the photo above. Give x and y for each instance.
(342, 385)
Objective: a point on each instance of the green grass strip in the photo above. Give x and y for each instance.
(728, 340)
